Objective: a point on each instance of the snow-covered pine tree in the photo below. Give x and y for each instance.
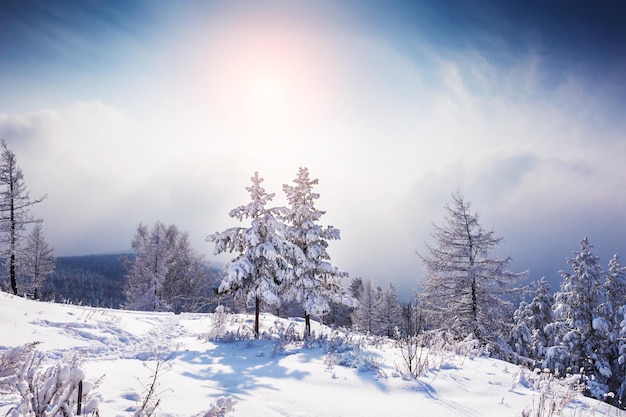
(259, 267)
(313, 281)
(356, 287)
(529, 338)
(612, 312)
(465, 283)
(578, 326)
(37, 260)
(15, 205)
(154, 258)
(541, 315)
(521, 332)
(620, 398)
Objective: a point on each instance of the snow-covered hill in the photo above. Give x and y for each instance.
(267, 379)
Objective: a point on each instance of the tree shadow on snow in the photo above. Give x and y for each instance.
(238, 367)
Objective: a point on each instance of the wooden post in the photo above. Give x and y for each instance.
(80, 398)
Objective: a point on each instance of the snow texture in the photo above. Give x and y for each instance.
(358, 379)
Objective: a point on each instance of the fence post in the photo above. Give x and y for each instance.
(80, 398)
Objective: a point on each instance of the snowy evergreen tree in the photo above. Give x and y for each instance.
(521, 333)
(340, 315)
(612, 314)
(37, 260)
(356, 287)
(389, 312)
(465, 283)
(529, 338)
(260, 265)
(15, 206)
(578, 326)
(621, 361)
(313, 281)
(615, 287)
(540, 316)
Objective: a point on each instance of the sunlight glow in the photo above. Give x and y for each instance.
(263, 75)
(268, 95)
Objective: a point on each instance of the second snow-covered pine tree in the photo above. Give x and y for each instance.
(313, 282)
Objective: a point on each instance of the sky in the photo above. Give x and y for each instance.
(132, 112)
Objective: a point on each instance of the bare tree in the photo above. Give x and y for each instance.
(15, 206)
(37, 260)
(364, 315)
(155, 252)
(465, 282)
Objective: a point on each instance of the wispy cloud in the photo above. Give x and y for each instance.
(392, 120)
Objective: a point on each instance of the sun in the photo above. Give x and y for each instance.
(268, 94)
(264, 76)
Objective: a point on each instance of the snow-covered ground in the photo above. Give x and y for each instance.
(297, 381)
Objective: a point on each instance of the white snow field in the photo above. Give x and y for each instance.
(297, 381)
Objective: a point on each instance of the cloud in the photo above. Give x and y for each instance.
(104, 174)
(390, 127)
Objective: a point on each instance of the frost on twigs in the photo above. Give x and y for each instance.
(555, 394)
(228, 327)
(283, 335)
(57, 390)
(415, 356)
(351, 350)
(11, 362)
(151, 397)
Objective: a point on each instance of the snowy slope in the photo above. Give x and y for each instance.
(299, 381)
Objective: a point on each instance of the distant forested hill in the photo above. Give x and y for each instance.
(95, 280)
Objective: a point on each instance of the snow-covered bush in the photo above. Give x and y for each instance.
(222, 406)
(283, 335)
(414, 354)
(58, 390)
(555, 394)
(11, 362)
(220, 322)
(350, 350)
(228, 327)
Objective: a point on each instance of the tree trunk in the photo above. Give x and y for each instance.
(12, 260)
(12, 274)
(475, 326)
(307, 325)
(256, 316)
